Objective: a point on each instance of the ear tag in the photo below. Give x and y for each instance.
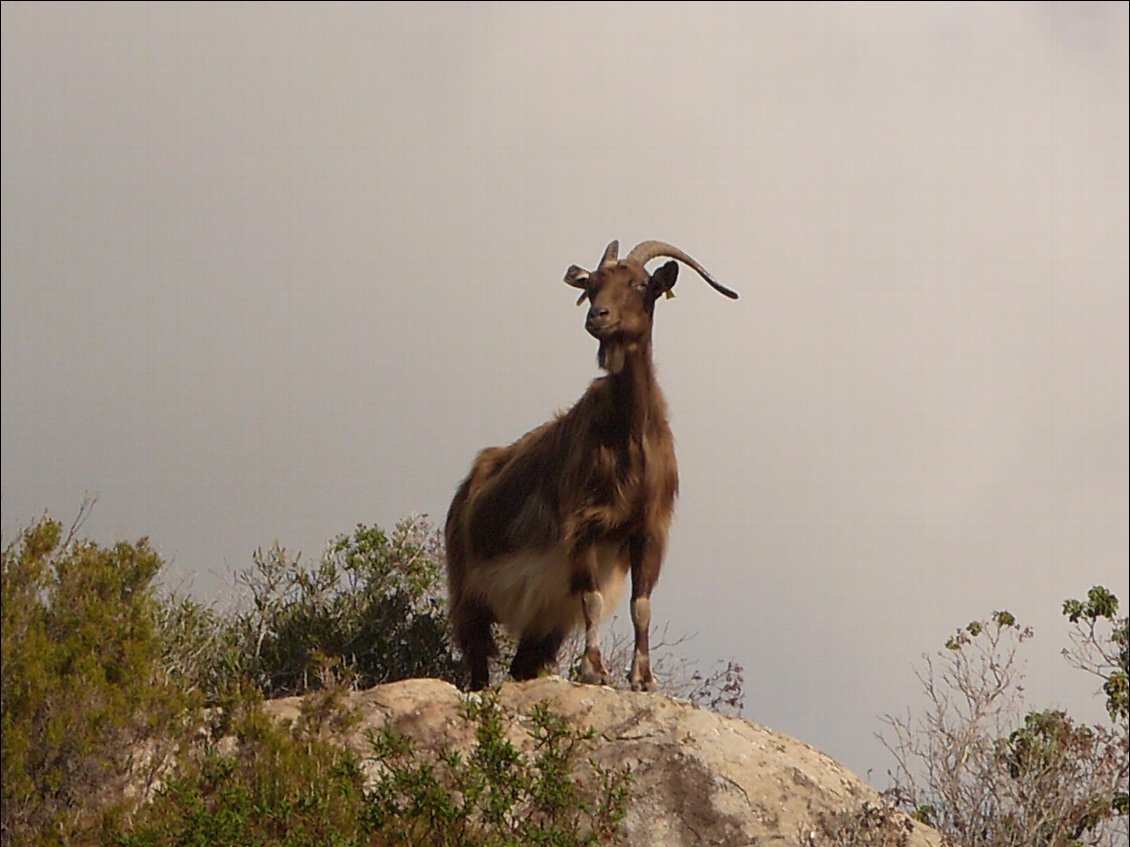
(669, 294)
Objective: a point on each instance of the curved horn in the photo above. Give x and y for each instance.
(610, 254)
(648, 250)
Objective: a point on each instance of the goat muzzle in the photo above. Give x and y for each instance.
(599, 322)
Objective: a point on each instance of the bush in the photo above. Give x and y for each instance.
(984, 776)
(496, 795)
(290, 786)
(88, 710)
(369, 611)
(372, 608)
(278, 786)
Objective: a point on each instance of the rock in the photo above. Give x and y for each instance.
(698, 777)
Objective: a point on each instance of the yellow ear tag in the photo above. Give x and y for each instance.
(669, 294)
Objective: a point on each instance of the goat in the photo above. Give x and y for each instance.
(542, 534)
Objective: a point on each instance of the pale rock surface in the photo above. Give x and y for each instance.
(699, 778)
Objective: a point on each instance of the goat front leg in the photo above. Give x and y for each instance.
(646, 557)
(584, 584)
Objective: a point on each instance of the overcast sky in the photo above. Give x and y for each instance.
(273, 270)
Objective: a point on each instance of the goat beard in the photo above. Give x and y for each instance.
(613, 354)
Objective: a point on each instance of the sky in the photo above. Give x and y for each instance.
(273, 270)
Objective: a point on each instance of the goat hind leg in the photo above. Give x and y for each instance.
(472, 625)
(535, 654)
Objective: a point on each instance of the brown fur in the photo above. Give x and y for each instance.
(598, 480)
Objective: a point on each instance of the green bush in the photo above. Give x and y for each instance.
(278, 786)
(291, 787)
(371, 610)
(372, 607)
(104, 740)
(87, 708)
(496, 795)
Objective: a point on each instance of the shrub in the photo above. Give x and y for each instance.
(975, 769)
(279, 786)
(372, 608)
(293, 787)
(495, 794)
(87, 710)
(369, 611)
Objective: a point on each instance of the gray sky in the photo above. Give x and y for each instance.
(270, 271)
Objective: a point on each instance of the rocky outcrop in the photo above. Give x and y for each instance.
(698, 777)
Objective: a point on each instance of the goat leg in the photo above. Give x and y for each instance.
(535, 654)
(593, 671)
(640, 677)
(584, 583)
(472, 625)
(646, 556)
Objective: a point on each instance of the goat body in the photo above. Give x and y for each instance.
(542, 534)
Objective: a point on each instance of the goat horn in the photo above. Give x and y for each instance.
(610, 254)
(648, 250)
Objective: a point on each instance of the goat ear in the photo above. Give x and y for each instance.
(663, 280)
(578, 277)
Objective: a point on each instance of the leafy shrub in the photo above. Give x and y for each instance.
(278, 786)
(373, 606)
(1101, 646)
(496, 795)
(87, 708)
(369, 611)
(292, 787)
(984, 776)
(102, 684)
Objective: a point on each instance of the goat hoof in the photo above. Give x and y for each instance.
(596, 677)
(648, 684)
(593, 671)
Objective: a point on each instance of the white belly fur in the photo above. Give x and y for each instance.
(529, 592)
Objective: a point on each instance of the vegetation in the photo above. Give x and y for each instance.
(369, 611)
(985, 775)
(133, 718)
(495, 794)
(87, 705)
(292, 786)
(113, 694)
(277, 786)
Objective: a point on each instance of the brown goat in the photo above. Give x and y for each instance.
(542, 534)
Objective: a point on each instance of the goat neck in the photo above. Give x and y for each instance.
(635, 390)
